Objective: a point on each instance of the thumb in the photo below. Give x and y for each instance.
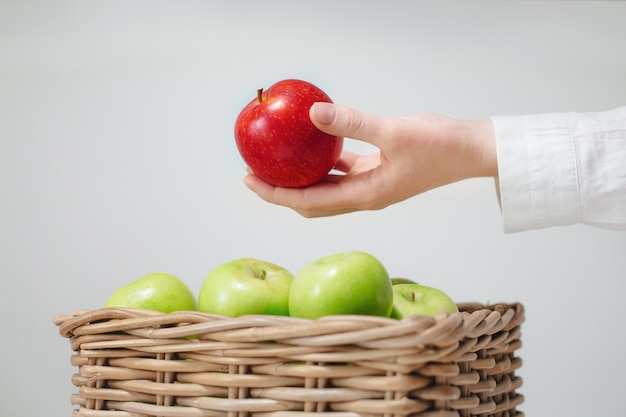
(346, 122)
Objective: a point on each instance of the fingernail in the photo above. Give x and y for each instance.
(323, 112)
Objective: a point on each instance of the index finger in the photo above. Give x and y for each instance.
(321, 199)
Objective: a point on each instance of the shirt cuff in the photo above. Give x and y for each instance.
(537, 171)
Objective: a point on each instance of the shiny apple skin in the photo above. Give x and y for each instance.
(277, 140)
(352, 282)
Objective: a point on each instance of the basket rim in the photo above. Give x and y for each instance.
(472, 320)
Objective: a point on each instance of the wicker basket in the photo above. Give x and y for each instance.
(135, 363)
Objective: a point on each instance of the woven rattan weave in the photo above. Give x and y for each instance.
(134, 363)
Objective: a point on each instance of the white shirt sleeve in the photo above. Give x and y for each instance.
(562, 168)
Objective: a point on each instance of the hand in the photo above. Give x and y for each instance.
(417, 153)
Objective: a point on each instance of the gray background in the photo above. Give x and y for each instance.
(117, 159)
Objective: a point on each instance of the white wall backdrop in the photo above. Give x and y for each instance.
(117, 159)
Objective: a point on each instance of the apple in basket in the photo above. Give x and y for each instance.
(400, 280)
(351, 282)
(158, 291)
(246, 286)
(276, 138)
(410, 299)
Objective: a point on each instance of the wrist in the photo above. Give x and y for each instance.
(482, 137)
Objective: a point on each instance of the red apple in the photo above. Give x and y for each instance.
(278, 141)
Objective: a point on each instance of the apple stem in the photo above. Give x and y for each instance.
(263, 274)
(259, 95)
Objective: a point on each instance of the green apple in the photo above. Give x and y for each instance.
(246, 286)
(410, 299)
(344, 283)
(396, 281)
(158, 291)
